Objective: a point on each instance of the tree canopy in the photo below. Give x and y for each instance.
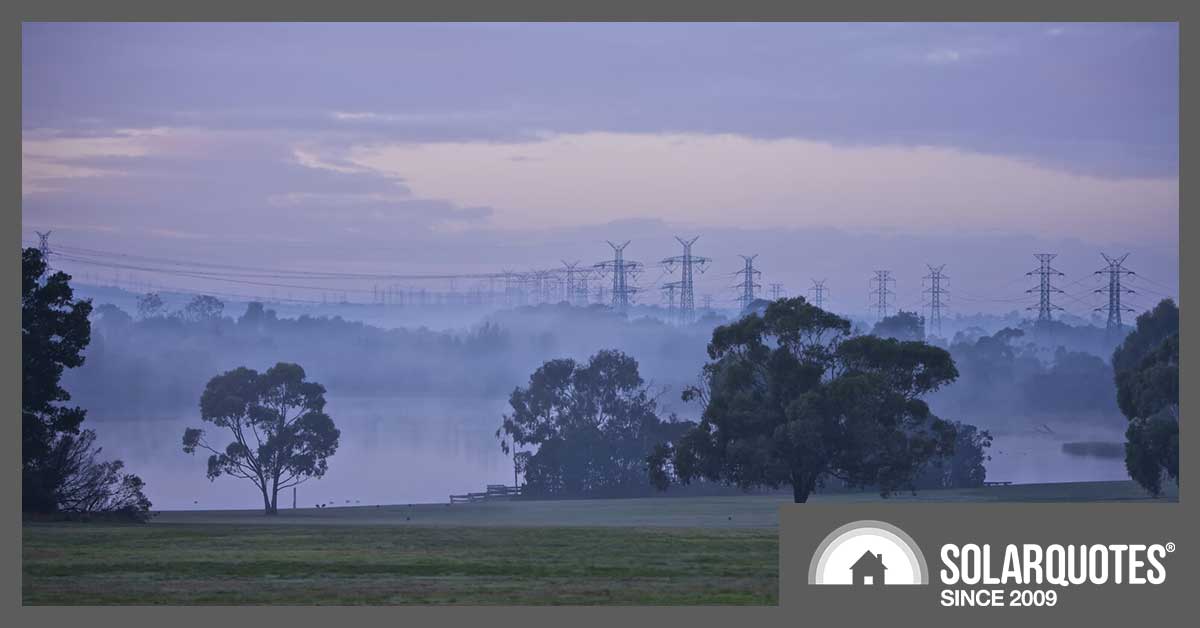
(592, 425)
(60, 469)
(964, 468)
(901, 326)
(54, 332)
(281, 435)
(1146, 370)
(791, 398)
(150, 305)
(203, 308)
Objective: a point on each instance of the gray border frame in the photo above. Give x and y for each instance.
(16, 11)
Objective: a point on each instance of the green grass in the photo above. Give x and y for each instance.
(348, 564)
(703, 550)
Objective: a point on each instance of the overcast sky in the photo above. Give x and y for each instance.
(829, 149)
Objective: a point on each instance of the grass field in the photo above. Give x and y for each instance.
(704, 550)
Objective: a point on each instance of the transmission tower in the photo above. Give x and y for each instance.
(543, 286)
(688, 264)
(881, 295)
(674, 314)
(576, 285)
(776, 291)
(819, 291)
(1045, 288)
(44, 247)
(580, 297)
(1114, 270)
(747, 286)
(622, 273)
(937, 292)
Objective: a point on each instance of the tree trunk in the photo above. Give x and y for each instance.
(802, 487)
(268, 505)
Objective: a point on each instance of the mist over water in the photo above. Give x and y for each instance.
(418, 398)
(398, 450)
(1028, 456)
(393, 450)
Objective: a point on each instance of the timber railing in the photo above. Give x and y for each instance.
(494, 491)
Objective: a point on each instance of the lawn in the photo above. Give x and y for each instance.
(703, 550)
(376, 564)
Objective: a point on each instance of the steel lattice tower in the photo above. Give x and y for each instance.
(818, 291)
(622, 272)
(937, 292)
(748, 285)
(882, 296)
(44, 248)
(580, 297)
(776, 291)
(688, 264)
(576, 284)
(1045, 288)
(1114, 270)
(674, 314)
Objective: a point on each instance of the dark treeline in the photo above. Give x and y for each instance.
(1027, 371)
(160, 361)
(140, 363)
(1008, 374)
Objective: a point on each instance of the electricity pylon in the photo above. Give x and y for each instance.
(937, 292)
(623, 272)
(1045, 287)
(881, 295)
(688, 264)
(1114, 270)
(747, 286)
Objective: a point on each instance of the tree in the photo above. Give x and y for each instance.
(965, 467)
(203, 308)
(901, 326)
(281, 435)
(1146, 371)
(111, 319)
(54, 332)
(593, 426)
(791, 399)
(150, 305)
(91, 486)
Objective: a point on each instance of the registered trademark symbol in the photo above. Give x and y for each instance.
(1170, 547)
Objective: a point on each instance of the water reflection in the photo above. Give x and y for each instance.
(397, 450)
(1036, 454)
(392, 450)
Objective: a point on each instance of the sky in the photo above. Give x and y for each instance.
(830, 150)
